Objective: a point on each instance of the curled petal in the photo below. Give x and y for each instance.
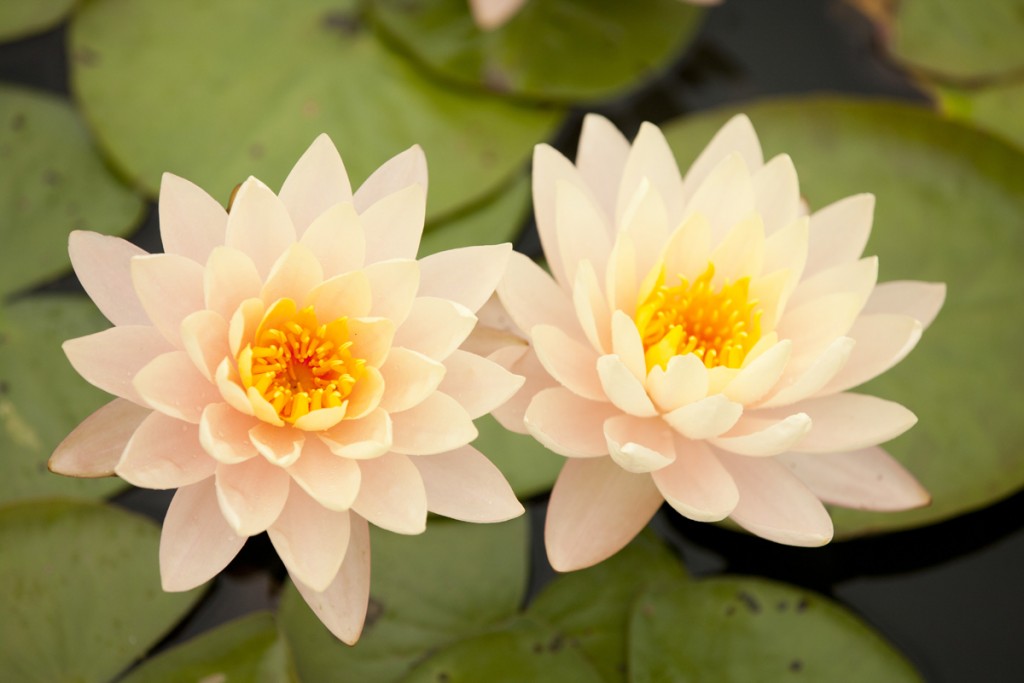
(192, 223)
(623, 388)
(95, 446)
(251, 494)
(706, 418)
(757, 436)
(463, 484)
(332, 481)
(110, 359)
(164, 453)
(103, 266)
(436, 425)
(392, 494)
(696, 484)
(311, 540)
(317, 182)
(568, 424)
(639, 444)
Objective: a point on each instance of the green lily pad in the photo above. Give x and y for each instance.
(552, 50)
(251, 90)
(42, 398)
(529, 467)
(960, 40)
(949, 207)
(247, 649)
(80, 587)
(447, 584)
(499, 220)
(55, 183)
(20, 18)
(998, 109)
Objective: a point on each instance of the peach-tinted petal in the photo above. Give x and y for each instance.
(409, 377)
(531, 297)
(592, 308)
(705, 418)
(171, 384)
(279, 445)
(684, 381)
(848, 422)
(259, 225)
(196, 541)
(855, 277)
(393, 225)
(881, 341)
(164, 453)
(332, 481)
(839, 232)
(337, 239)
(317, 182)
(758, 377)
(169, 287)
(394, 285)
(372, 339)
(192, 223)
(582, 231)
(725, 197)
(757, 435)
(521, 361)
(600, 158)
(345, 295)
(868, 479)
(774, 504)
(736, 136)
(817, 323)
(550, 167)
(741, 251)
(95, 446)
(293, 275)
(920, 300)
(645, 220)
(621, 279)
(325, 418)
(342, 605)
(311, 540)
(777, 193)
(696, 485)
(362, 439)
(204, 336)
(623, 388)
(627, 345)
(436, 425)
(103, 266)
(224, 433)
(650, 158)
(490, 14)
(800, 382)
(568, 424)
(230, 278)
(688, 248)
(251, 494)
(786, 249)
(463, 484)
(573, 364)
(467, 276)
(261, 408)
(392, 494)
(435, 327)
(596, 508)
(226, 379)
(110, 359)
(479, 385)
(398, 172)
(639, 444)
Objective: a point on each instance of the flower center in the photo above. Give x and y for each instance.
(719, 327)
(298, 364)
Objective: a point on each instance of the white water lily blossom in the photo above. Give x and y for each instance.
(290, 367)
(697, 341)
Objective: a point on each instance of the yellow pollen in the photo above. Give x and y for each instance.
(298, 364)
(719, 327)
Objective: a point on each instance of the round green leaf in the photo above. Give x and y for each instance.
(213, 91)
(529, 467)
(53, 183)
(551, 50)
(960, 40)
(949, 207)
(42, 398)
(80, 587)
(733, 629)
(449, 583)
(20, 18)
(524, 651)
(247, 649)
(499, 220)
(998, 109)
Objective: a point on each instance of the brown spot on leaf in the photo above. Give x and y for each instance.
(86, 56)
(796, 665)
(750, 601)
(256, 150)
(802, 605)
(18, 121)
(345, 23)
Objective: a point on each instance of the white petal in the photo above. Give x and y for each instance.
(435, 327)
(479, 385)
(777, 193)
(583, 233)
(531, 297)
(623, 275)
(316, 183)
(651, 158)
(572, 363)
(523, 362)
(758, 377)
(311, 540)
(95, 446)
(756, 435)
(881, 341)
(362, 439)
(856, 277)
(259, 225)
(346, 295)
(920, 300)
(192, 223)
(839, 232)
(224, 433)
(393, 224)
(103, 266)
(392, 494)
(170, 288)
(696, 484)
(293, 275)
(705, 418)
(332, 481)
(251, 494)
(436, 425)
(600, 158)
(725, 197)
(684, 381)
(623, 388)
(164, 453)
(397, 173)
(467, 276)
(409, 377)
(172, 384)
(204, 336)
(800, 382)
(463, 484)
(627, 345)
(741, 251)
(639, 444)
(337, 239)
(592, 308)
(737, 135)
(688, 249)
(229, 279)
(645, 220)
(868, 479)
(848, 422)
(279, 445)
(567, 424)
(110, 359)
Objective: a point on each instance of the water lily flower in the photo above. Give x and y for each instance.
(696, 341)
(492, 14)
(290, 367)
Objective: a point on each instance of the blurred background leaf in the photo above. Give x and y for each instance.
(20, 18)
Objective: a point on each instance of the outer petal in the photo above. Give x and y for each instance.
(568, 424)
(316, 183)
(224, 433)
(463, 484)
(596, 508)
(204, 335)
(259, 225)
(467, 276)
(392, 494)
(867, 479)
(758, 437)
(398, 172)
(777, 193)
(393, 225)
(735, 136)
(774, 504)
(251, 494)
(696, 484)
(409, 377)
(436, 425)
(170, 288)
(522, 361)
(639, 445)
(394, 285)
(848, 422)
(164, 453)
(531, 297)
(479, 385)
(342, 605)
(362, 439)
(601, 157)
(880, 342)
(281, 446)
(435, 327)
(920, 300)
(572, 363)
(196, 542)
(332, 481)
(651, 158)
(839, 232)
(725, 197)
(583, 233)
(103, 266)
(311, 540)
(337, 239)
(172, 384)
(110, 359)
(94, 447)
(192, 223)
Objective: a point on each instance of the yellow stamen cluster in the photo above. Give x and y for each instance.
(298, 364)
(719, 327)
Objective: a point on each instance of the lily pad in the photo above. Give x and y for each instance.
(81, 592)
(247, 649)
(744, 629)
(998, 108)
(213, 91)
(498, 220)
(529, 467)
(20, 18)
(949, 207)
(962, 41)
(552, 50)
(42, 398)
(451, 582)
(55, 183)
